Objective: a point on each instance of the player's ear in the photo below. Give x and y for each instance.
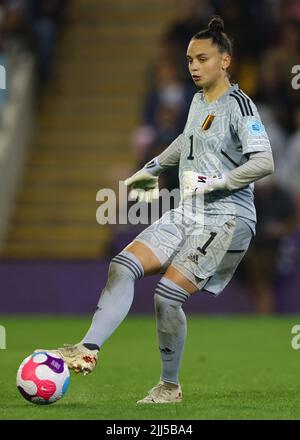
(226, 59)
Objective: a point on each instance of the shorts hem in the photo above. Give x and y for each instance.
(211, 293)
(190, 276)
(163, 258)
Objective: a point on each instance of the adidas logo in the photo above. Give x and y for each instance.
(166, 350)
(193, 258)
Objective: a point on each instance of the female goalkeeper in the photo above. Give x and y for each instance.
(223, 149)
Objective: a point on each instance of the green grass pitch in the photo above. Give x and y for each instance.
(233, 368)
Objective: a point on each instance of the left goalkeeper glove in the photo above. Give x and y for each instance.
(194, 183)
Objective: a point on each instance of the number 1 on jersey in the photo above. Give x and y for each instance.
(190, 156)
(203, 249)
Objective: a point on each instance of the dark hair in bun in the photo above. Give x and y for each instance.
(216, 25)
(215, 31)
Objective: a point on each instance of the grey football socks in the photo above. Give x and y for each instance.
(115, 302)
(171, 327)
(116, 298)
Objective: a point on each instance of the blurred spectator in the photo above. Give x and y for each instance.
(245, 23)
(168, 127)
(13, 29)
(274, 79)
(292, 178)
(44, 19)
(196, 15)
(276, 213)
(289, 10)
(278, 139)
(167, 89)
(31, 25)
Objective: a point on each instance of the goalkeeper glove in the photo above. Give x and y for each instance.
(194, 183)
(144, 183)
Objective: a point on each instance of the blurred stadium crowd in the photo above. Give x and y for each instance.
(31, 25)
(266, 41)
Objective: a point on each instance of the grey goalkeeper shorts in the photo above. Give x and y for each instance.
(207, 254)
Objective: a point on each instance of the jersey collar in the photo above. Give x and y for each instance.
(222, 97)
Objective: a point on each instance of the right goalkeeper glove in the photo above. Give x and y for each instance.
(144, 183)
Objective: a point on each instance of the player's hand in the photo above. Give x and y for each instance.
(194, 183)
(143, 186)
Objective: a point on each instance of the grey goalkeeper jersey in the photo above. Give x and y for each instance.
(217, 138)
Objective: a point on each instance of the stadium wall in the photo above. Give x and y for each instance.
(74, 287)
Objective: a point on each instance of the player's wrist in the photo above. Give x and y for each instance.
(218, 182)
(153, 167)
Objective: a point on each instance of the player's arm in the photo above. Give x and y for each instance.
(251, 133)
(144, 183)
(259, 165)
(254, 141)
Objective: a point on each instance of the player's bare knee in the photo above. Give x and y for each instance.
(178, 278)
(151, 264)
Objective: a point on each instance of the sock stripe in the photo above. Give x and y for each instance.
(123, 263)
(182, 292)
(169, 297)
(172, 296)
(127, 264)
(137, 267)
(164, 282)
(129, 261)
(124, 257)
(172, 293)
(169, 290)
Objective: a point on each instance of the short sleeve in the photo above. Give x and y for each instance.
(247, 125)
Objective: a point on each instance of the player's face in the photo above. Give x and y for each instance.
(206, 63)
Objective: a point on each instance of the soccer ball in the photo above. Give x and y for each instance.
(43, 378)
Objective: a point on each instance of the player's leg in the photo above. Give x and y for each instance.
(131, 264)
(171, 292)
(147, 254)
(197, 260)
(190, 269)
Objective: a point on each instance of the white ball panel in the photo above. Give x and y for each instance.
(39, 358)
(55, 355)
(43, 372)
(29, 387)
